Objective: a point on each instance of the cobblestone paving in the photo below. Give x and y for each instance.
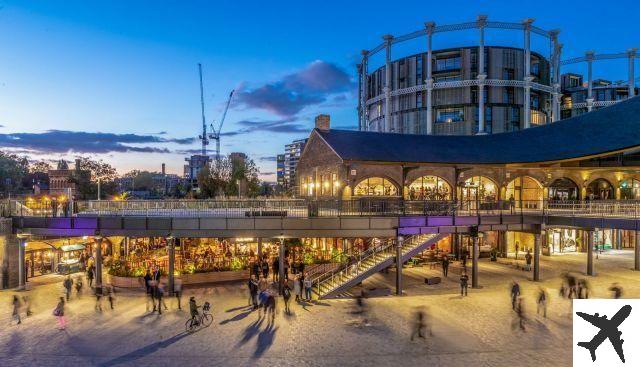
(476, 330)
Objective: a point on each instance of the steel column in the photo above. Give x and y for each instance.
(474, 263)
(281, 267)
(527, 72)
(98, 277)
(399, 244)
(590, 235)
(21, 268)
(481, 22)
(590, 56)
(365, 89)
(555, 62)
(388, 119)
(429, 79)
(171, 246)
(632, 83)
(536, 256)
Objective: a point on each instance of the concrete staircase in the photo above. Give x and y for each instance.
(377, 258)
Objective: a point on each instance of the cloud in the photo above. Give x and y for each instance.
(284, 126)
(63, 141)
(288, 96)
(268, 159)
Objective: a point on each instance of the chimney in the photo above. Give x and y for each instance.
(323, 122)
(163, 169)
(77, 164)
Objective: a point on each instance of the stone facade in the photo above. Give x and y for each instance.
(8, 255)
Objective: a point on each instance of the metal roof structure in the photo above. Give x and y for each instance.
(602, 132)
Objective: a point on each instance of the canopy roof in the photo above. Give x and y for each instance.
(598, 133)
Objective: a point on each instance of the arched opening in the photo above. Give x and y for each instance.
(600, 189)
(525, 192)
(429, 188)
(375, 186)
(478, 192)
(563, 189)
(630, 189)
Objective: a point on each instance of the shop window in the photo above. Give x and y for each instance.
(429, 188)
(450, 114)
(563, 189)
(630, 189)
(375, 186)
(600, 189)
(525, 192)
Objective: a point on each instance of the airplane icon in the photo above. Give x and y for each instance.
(608, 329)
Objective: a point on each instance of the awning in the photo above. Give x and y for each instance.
(38, 245)
(76, 247)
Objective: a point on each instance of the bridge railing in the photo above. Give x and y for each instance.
(300, 208)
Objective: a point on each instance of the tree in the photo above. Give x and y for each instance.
(86, 179)
(12, 171)
(213, 178)
(244, 175)
(40, 166)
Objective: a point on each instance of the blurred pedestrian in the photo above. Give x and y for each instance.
(275, 269)
(297, 287)
(445, 265)
(584, 288)
(571, 285)
(527, 260)
(265, 269)
(98, 294)
(151, 297)
(420, 327)
(286, 295)
(78, 283)
(177, 290)
(160, 292)
(253, 291)
(307, 288)
(515, 293)
(147, 281)
(542, 301)
(520, 313)
(616, 289)
(26, 302)
(90, 275)
(68, 284)
(58, 312)
(464, 283)
(361, 309)
(16, 309)
(111, 295)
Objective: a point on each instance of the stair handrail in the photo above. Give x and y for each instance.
(349, 267)
(318, 270)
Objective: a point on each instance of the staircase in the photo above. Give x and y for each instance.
(369, 262)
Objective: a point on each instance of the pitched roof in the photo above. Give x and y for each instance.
(601, 132)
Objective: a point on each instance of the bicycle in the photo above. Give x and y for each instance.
(202, 320)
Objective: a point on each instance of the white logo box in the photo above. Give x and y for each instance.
(585, 332)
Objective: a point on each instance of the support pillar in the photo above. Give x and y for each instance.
(590, 56)
(481, 22)
(536, 256)
(388, 119)
(360, 105)
(21, 268)
(171, 247)
(636, 264)
(590, 253)
(399, 244)
(632, 83)
(281, 267)
(98, 277)
(474, 263)
(431, 26)
(259, 248)
(555, 64)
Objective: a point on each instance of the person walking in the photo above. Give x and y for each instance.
(286, 295)
(445, 265)
(527, 260)
(542, 302)
(297, 288)
(159, 297)
(286, 269)
(464, 283)
(78, 282)
(90, 275)
(16, 309)
(147, 281)
(515, 293)
(307, 288)
(275, 269)
(177, 291)
(98, 294)
(265, 269)
(463, 259)
(111, 293)
(58, 312)
(616, 289)
(26, 302)
(520, 312)
(68, 284)
(253, 292)
(419, 326)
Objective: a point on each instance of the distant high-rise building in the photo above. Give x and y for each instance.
(280, 169)
(291, 157)
(195, 163)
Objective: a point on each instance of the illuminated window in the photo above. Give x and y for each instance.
(375, 186)
(429, 188)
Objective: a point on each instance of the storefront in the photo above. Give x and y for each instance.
(375, 186)
(630, 189)
(40, 258)
(600, 189)
(71, 259)
(562, 240)
(525, 192)
(563, 189)
(478, 192)
(429, 188)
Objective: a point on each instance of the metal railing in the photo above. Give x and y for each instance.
(300, 208)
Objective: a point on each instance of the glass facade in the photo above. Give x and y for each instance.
(375, 186)
(429, 188)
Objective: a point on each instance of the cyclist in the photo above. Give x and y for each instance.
(193, 308)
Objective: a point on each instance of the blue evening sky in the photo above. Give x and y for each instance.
(118, 80)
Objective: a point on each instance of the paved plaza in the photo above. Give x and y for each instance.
(476, 330)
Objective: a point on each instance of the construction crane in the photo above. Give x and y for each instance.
(215, 133)
(204, 137)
